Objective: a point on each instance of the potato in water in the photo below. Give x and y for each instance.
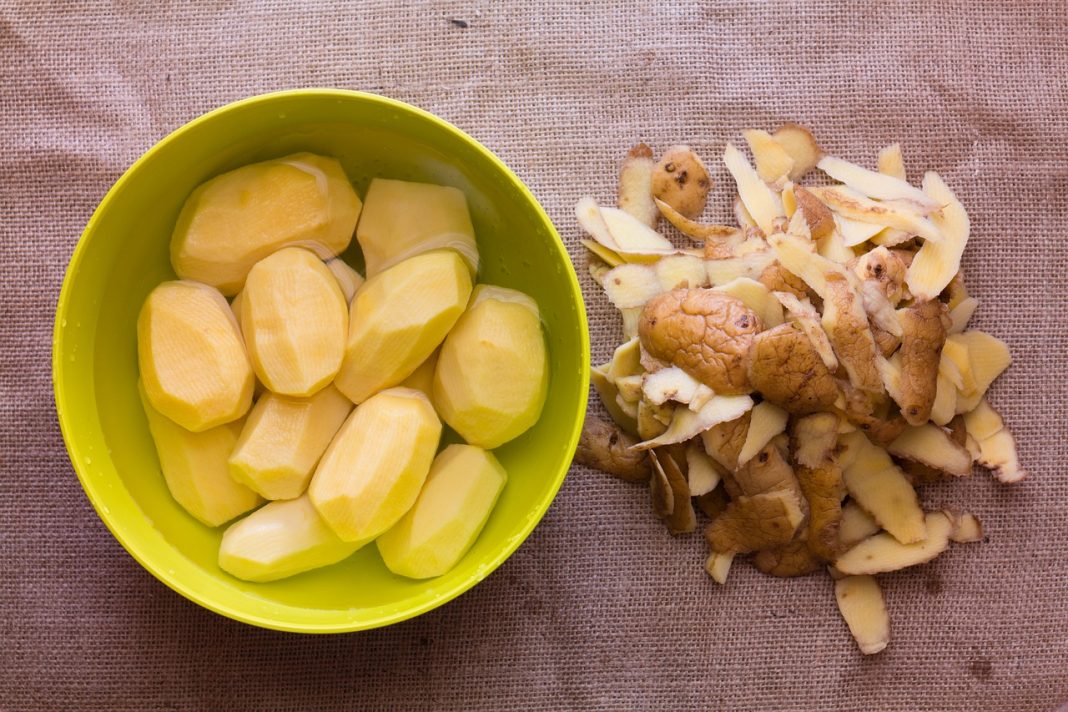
(492, 373)
(193, 365)
(374, 468)
(282, 539)
(402, 219)
(235, 220)
(194, 467)
(284, 438)
(459, 494)
(295, 320)
(398, 318)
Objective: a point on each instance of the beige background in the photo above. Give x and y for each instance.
(600, 609)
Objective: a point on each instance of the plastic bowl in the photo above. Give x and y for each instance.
(123, 254)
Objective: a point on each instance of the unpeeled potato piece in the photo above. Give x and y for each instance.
(681, 180)
(703, 332)
(294, 318)
(236, 219)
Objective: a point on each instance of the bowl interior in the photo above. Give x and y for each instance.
(124, 254)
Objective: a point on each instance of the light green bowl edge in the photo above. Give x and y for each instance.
(68, 428)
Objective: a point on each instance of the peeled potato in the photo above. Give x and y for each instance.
(459, 494)
(422, 378)
(377, 463)
(295, 320)
(283, 440)
(193, 365)
(402, 219)
(234, 220)
(492, 374)
(194, 467)
(398, 318)
(281, 539)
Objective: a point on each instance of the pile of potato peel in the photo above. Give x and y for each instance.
(795, 376)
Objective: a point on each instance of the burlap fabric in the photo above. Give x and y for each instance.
(600, 609)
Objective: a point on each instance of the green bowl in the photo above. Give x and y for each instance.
(123, 254)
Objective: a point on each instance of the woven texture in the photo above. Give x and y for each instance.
(601, 608)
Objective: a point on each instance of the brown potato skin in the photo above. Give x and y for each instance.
(727, 440)
(751, 524)
(823, 489)
(778, 279)
(605, 447)
(767, 471)
(818, 216)
(713, 503)
(853, 342)
(788, 560)
(788, 371)
(706, 333)
(920, 474)
(924, 334)
(885, 267)
(681, 180)
(679, 517)
(634, 195)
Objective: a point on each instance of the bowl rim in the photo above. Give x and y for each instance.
(92, 491)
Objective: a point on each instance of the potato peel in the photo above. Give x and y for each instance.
(853, 205)
(762, 203)
(875, 185)
(687, 424)
(842, 310)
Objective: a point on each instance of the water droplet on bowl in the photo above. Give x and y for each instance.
(63, 323)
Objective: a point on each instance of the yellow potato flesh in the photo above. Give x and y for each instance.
(459, 494)
(284, 438)
(281, 539)
(234, 220)
(193, 364)
(194, 467)
(422, 378)
(398, 318)
(492, 373)
(295, 321)
(375, 466)
(402, 219)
